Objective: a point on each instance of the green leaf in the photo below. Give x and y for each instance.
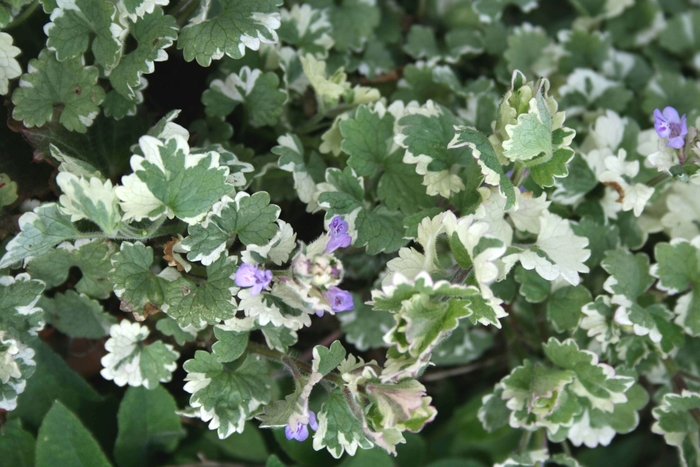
(601, 238)
(53, 381)
(249, 445)
(564, 307)
(629, 273)
(207, 303)
(465, 344)
(487, 159)
(76, 315)
(355, 329)
(304, 168)
(493, 413)
(229, 345)
(307, 28)
(367, 138)
(584, 50)
(17, 445)
(353, 22)
(17, 367)
(63, 441)
(327, 359)
(258, 92)
(131, 361)
(527, 51)
(491, 10)
(545, 174)
(170, 180)
(682, 34)
(90, 199)
(169, 327)
(678, 269)
(678, 426)
(8, 191)
(41, 230)
(671, 89)
(148, 424)
(153, 33)
(338, 428)
(229, 29)
(251, 218)
(533, 287)
(68, 87)
(19, 315)
(73, 26)
(580, 181)
(225, 398)
(91, 256)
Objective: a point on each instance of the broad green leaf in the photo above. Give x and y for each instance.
(425, 82)
(91, 256)
(533, 287)
(55, 381)
(421, 43)
(465, 344)
(353, 22)
(74, 25)
(19, 315)
(76, 315)
(9, 68)
(229, 29)
(41, 230)
(153, 33)
(169, 327)
(601, 238)
(487, 159)
(678, 269)
(671, 89)
(682, 34)
(170, 180)
(304, 168)
(678, 426)
(338, 429)
(249, 445)
(392, 296)
(225, 398)
(580, 181)
(564, 307)
(250, 218)
(367, 138)
(258, 92)
(307, 28)
(493, 413)
(326, 359)
(17, 445)
(354, 325)
(139, 289)
(491, 10)
(148, 424)
(68, 87)
(584, 49)
(229, 345)
(90, 199)
(130, 361)
(207, 303)
(528, 51)
(531, 137)
(63, 441)
(595, 381)
(8, 191)
(426, 136)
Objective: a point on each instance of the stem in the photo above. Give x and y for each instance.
(23, 17)
(184, 11)
(519, 174)
(662, 177)
(525, 440)
(463, 370)
(689, 376)
(334, 377)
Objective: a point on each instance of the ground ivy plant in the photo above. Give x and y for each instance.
(350, 232)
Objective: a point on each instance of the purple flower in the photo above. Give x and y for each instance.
(301, 431)
(338, 231)
(248, 275)
(339, 299)
(670, 125)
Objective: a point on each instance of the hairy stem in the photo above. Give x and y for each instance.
(334, 377)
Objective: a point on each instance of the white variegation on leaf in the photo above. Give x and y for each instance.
(16, 365)
(9, 67)
(135, 9)
(162, 182)
(618, 176)
(308, 29)
(277, 250)
(283, 306)
(583, 432)
(131, 361)
(411, 262)
(91, 199)
(598, 320)
(677, 425)
(682, 216)
(557, 252)
(327, 89)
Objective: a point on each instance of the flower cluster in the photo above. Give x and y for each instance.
(669, 125)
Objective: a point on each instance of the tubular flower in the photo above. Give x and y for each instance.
(339, 237)
(248, 275)
(339, 299)
(301, 431)
(670, 125)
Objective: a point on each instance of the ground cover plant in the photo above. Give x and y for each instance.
(356, 232)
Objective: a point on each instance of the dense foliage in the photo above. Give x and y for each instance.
(241, 232)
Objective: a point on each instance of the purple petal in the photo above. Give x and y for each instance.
(337, 226)
(288, 433)
(676, 142)
(658, 115)
(684, 127)
(319, 313)
(245, 275)
(339, 299)
(335, 242)
(671, 115)
(312, 420)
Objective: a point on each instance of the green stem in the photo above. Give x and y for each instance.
(662, 177)
(519, 174)
(334, 377)
(184, 10)
(23, 17)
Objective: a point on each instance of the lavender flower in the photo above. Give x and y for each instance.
(338, 231)
(670, 125)
(248, 275)
(339, 299)
(301, 431)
